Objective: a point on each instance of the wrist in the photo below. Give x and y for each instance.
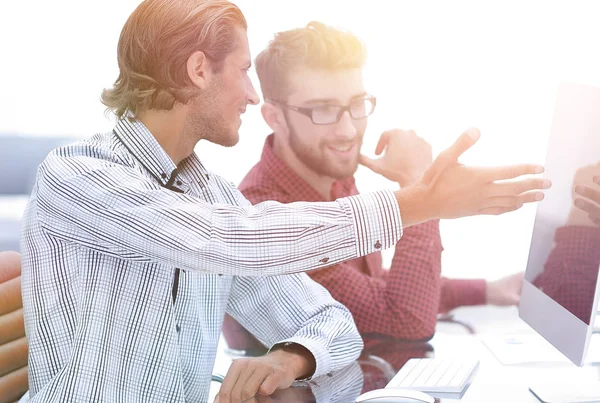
(414, 206)
(298, 362)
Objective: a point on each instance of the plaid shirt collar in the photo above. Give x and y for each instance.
(136, 137)
(292, 184)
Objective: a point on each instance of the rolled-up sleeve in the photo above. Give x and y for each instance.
(298, 310)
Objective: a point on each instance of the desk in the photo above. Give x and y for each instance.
(493, 383)
(11, 211)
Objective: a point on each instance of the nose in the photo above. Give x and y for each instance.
(251, 95)
(345, 127)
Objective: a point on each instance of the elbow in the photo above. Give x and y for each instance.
(357, 341)
(424, 331)
(415, 329)
(352, 342)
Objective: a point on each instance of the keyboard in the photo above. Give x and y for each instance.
(435, 375)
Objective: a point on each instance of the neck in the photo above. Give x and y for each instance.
(322, 184)
(169, 130)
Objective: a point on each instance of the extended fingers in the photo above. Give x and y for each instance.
(451, 154)
(517, 187)
(504, 204)
(510, 172)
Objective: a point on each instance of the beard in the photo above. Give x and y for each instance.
(316, 159)
(205, 120)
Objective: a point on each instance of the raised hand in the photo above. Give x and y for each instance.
(449, 189)
(405, 159)
(505, 291)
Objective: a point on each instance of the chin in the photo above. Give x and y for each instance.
(342, 173)
(230, 139)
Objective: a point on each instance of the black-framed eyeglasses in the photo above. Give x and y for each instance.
(330, 114)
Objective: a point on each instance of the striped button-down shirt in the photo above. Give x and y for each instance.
(130, 263)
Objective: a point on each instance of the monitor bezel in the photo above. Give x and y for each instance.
(549, 319)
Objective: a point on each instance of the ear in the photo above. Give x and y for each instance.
(199, 69)
(274, 117)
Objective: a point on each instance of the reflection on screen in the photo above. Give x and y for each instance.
(565, 249)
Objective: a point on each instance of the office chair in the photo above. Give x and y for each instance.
(13, 345)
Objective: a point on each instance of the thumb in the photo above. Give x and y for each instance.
(451, 154)
(369, 162)
(462, 144)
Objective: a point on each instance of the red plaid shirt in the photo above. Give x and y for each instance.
(571, 270)
(401, 303)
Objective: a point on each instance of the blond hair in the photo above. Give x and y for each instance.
(316, 46)
(155, 43)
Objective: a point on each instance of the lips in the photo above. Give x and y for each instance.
(342, 149)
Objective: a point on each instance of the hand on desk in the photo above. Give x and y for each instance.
(289, 395)
(505, 291)
(249, 377)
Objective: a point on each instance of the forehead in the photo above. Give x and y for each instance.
(241, 51)
(339, 85)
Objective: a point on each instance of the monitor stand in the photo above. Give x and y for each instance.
(567, 393)
(583, 388)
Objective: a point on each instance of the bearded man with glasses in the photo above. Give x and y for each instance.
(317, 107)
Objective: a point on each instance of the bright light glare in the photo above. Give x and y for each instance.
(436, 67)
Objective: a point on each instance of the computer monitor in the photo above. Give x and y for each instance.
(560, 293)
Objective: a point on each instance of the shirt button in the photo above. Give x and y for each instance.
(179, 183)
(377, 245)
(163, 175)
(178, 328)
(324, 260)
(329, 374)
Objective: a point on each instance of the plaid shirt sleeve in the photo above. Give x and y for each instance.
(251, 302)
(405, 303)
(571, 270)
(108, 207)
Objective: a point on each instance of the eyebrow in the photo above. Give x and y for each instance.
(332, 100)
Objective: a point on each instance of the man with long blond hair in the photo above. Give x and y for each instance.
(133, 251)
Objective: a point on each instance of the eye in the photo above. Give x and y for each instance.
(326, 108)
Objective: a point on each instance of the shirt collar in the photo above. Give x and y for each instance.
(145, 148)
(292, 184)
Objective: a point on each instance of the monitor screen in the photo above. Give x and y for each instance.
(565, 250)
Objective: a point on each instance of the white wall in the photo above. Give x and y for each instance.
(436, 67)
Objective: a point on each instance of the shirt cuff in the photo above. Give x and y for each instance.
(316, 348)
(376, 218)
